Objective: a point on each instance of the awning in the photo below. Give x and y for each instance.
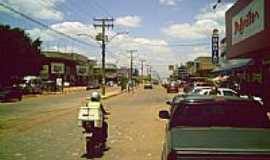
(233, 64)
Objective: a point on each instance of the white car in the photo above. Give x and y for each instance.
(221, 92)
(228, 92)
(197, 90)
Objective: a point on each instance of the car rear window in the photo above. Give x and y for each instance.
(243, 115)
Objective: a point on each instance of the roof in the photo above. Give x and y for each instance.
(212, 98)
(107, 66)
(68, 56)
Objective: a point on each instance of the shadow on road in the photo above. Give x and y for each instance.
(87, 156)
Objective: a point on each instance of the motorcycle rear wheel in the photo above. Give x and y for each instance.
(90, 148)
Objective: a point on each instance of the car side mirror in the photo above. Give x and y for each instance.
(169, 103)
(164, 115)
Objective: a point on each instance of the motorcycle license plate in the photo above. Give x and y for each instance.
(88, 134)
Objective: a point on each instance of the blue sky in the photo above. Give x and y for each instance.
(153, 26)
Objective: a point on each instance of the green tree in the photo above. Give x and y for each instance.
(19, 55)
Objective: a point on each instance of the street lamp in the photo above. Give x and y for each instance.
(89, 35)
(117, 34)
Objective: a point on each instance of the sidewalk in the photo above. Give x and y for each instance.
(110, 92)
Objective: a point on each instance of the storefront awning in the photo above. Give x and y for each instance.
(233, 64)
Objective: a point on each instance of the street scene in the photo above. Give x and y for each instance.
(134, 80)
(50, 130)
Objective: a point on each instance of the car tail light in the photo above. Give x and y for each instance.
(172, 156)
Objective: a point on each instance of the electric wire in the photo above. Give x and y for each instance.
(44, 25)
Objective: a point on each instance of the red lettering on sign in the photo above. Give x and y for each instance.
(245, 22)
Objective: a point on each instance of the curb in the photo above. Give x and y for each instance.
(64, 93)
(113, 95)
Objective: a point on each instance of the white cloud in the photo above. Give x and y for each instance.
(169, 2)
(203, 25)
(129, 21)
(85, 32)
(56, 42)
(39, 9)
(156, 52)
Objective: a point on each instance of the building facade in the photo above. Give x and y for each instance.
(70, 67)
(203, 66)
(248, 32)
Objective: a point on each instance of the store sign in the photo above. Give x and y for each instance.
(57, 68)
(82, 70)
(248, 22)
(215, 47)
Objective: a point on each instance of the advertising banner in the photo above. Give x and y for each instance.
(82, 70)
(57, 68)
(215, 47)
(248, 22)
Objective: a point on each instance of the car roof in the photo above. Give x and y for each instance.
(194, 99)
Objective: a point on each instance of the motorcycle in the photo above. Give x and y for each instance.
(93, 124)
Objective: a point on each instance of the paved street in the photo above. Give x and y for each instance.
(46, 128)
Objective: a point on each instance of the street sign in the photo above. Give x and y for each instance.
(215, 47)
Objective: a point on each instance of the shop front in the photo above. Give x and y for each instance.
(248, 36)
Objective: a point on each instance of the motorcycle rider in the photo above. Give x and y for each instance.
(95, 100)
(95, 112)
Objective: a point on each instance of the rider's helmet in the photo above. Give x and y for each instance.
(95, 96)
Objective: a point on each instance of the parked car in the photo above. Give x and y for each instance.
(155, 82)
(92, 85)
(229, 92)
(10, 93)
(31, 85)
(198, 89)
(220, 92)
(214, 127)
(148, 85)
(172, 87)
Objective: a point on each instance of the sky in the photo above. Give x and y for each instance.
(159, 30)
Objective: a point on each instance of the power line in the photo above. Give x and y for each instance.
(181, 45)
(44, 25)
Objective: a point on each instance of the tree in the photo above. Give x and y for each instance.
(19, 55)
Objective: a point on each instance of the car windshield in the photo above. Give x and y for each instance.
(241, 115)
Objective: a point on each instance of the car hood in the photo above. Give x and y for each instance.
(223, 139)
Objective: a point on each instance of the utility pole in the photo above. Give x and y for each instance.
(131, 66)
(142, 61)
(149, 72)
(102, 37)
